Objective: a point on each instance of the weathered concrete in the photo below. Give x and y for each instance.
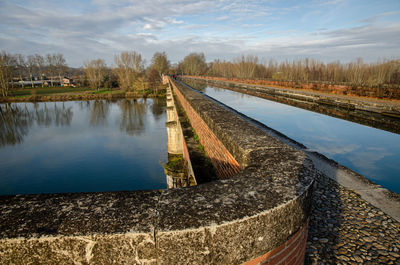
(174, 138)
(78, 227)
(177, 146)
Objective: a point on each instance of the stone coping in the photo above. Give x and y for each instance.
(224, 221)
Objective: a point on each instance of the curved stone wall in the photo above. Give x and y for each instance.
(259, 214)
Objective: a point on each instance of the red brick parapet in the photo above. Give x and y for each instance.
(291, 252)
(222, 160)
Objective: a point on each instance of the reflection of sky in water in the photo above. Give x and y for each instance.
(371, 152)
(122, 149)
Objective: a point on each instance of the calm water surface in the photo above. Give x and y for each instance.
(82, 146)
(371, 152)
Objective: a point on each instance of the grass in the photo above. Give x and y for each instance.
(75, 93)
(175, 163)
(48, 91)
(195, 136)
(102, 91)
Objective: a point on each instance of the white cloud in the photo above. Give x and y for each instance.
(229, 28)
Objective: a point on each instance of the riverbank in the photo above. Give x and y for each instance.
(384, 93)
(79, 94)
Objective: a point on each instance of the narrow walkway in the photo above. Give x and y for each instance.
(387, 201)
(345, 229)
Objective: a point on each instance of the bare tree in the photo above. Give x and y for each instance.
(40, 64)
(21, 67)
(7, 65)
(245, 67)
(193, 64)
(95, 71)
(60, 64)
(160, 63)
(129, 70)
(31, 67)
(51, 67)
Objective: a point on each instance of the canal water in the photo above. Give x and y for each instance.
(83, 146)
(371, 152)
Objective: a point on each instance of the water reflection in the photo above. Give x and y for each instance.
(17, 119)
(14, 124)
(132, 114)
(82, 146)
(98, 112)
(158, 107)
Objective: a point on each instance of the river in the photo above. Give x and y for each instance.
(82, 146)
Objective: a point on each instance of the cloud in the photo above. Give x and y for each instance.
(367, 161)
(333, 2)
(369, 41)
(221, 29)
(222, 18)
(147, 35)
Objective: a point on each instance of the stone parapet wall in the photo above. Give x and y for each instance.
(260, 214)
(223, 161)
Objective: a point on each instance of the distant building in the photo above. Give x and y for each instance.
(68, 82)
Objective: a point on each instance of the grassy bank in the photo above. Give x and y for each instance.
(75, 93)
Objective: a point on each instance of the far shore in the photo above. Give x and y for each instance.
(326, 89)
(77, 93)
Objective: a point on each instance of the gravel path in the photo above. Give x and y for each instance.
(345, 229)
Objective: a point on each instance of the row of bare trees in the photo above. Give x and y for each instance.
(18, 67)
(193, 64)
(360, 73)
(383, 72)
(129, 70)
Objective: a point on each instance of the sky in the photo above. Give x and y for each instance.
(282, 30)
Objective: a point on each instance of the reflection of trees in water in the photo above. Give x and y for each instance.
(158, 107)
(84, 105)
(99, 110)
(16, 119)
(14, 124)
(46, 116)
(201, 86)
(132, 116)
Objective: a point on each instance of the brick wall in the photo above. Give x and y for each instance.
(223, 161)
(291, 252)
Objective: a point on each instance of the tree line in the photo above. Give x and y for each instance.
(18, 67)
(359, 73)
(129, 72)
